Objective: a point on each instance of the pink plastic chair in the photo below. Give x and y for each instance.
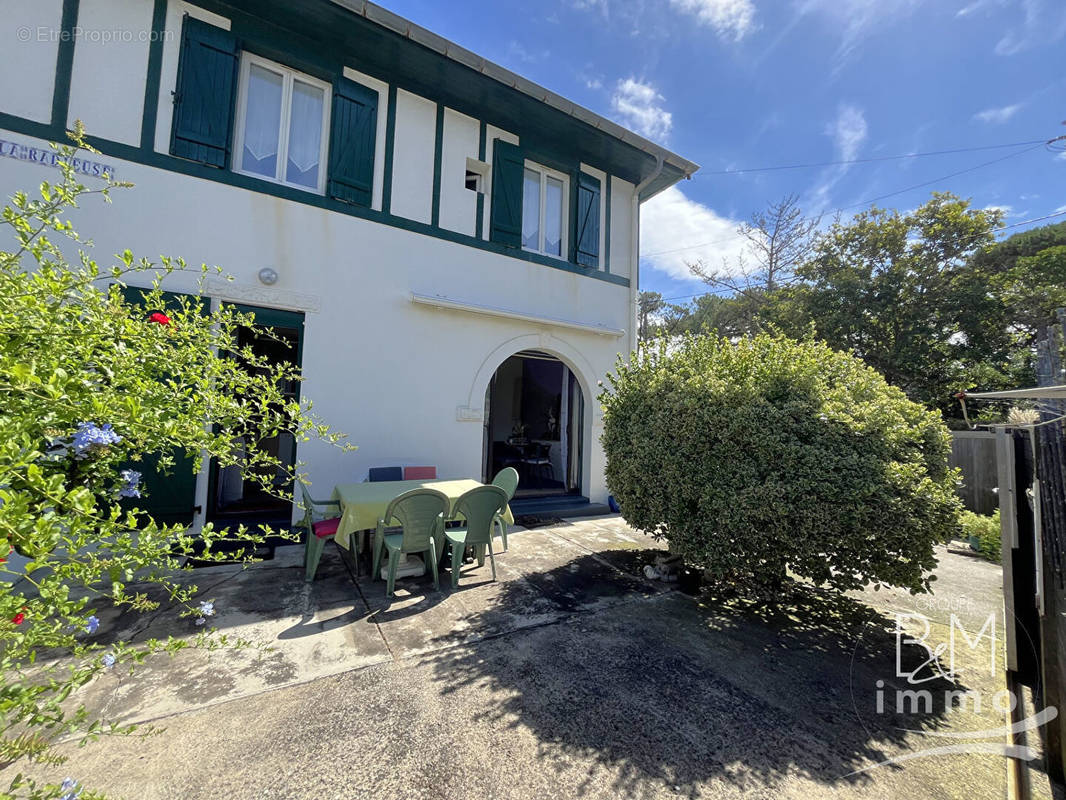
(419, 473)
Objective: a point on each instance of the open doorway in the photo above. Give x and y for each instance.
(233, 497)
(533, 422)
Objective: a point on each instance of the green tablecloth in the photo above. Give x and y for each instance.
(363, 503)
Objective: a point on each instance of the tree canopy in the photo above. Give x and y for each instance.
(927, 297)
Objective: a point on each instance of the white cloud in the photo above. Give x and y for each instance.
(1004, 210)
(997, 116)
(1061, 156)
(639, 106)
(670, 221)
(1043, 22)
(593, 83)
(517, 52)
(856, 20)
(1036, 22)
(975, 6)
(848, 132)
(593, 5)
(731, 19)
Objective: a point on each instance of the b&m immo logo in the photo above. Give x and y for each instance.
(929, 664)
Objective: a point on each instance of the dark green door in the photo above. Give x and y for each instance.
(170, 496)
(233, 498)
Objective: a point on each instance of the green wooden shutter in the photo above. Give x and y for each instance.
(587, 221)
(168, 497)
(351, 142)
(505, 220)
(205, 93)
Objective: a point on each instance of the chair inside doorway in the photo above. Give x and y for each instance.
(535, 409)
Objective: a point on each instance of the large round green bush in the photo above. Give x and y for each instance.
(767, 454)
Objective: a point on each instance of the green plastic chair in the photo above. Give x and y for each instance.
(506, 479)
(420, 513)
(479, 507)
(316, 530)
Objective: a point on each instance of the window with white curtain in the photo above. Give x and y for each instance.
(544, 208)
(282, 119)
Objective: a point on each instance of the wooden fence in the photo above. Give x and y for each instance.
(974, 452)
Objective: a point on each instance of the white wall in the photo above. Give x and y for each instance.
(458, 205)
(29, 45)
(168, 77)
(392, 374)
(111, 68)
(621, 227)
(413, 153)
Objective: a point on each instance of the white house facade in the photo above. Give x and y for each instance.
(449, 249)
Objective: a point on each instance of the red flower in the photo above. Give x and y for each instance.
(159, 317)
(18, 618)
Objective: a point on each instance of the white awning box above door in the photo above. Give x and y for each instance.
(440, 301)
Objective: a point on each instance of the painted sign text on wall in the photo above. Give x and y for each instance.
(40, 155)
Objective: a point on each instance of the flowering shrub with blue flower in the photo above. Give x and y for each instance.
(93, 390)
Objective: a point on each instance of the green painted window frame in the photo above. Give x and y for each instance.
(290, 77)
(565, 228)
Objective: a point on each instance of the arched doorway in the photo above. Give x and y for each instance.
(534, 422)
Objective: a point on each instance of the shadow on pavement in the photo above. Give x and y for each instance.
(685, 692)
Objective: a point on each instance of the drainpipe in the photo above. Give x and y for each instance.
(634, 271)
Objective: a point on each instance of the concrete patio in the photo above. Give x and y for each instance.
(571, 676)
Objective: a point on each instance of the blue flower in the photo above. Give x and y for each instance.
(91, 436)
(132, 480)
(200, 621)
(109, 660)
(70, 789)
(207, 608)
(92, 624)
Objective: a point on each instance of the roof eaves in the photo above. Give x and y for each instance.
(461, 55)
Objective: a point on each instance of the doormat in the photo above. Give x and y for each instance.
(531, 521)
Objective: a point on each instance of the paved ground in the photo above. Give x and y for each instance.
(569, 677)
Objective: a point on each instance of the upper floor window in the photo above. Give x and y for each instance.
(544, 210)
(282, 117)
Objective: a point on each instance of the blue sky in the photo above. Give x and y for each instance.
(734, 84)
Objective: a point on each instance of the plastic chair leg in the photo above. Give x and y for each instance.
(432, 561)
(394, 562)
(312, 555)
(503, 531)
(457, 560)
(492, 559)
(378, 547)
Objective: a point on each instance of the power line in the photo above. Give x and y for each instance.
(863, 202)
(941, 178)
(870, 159)
(994, 230)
